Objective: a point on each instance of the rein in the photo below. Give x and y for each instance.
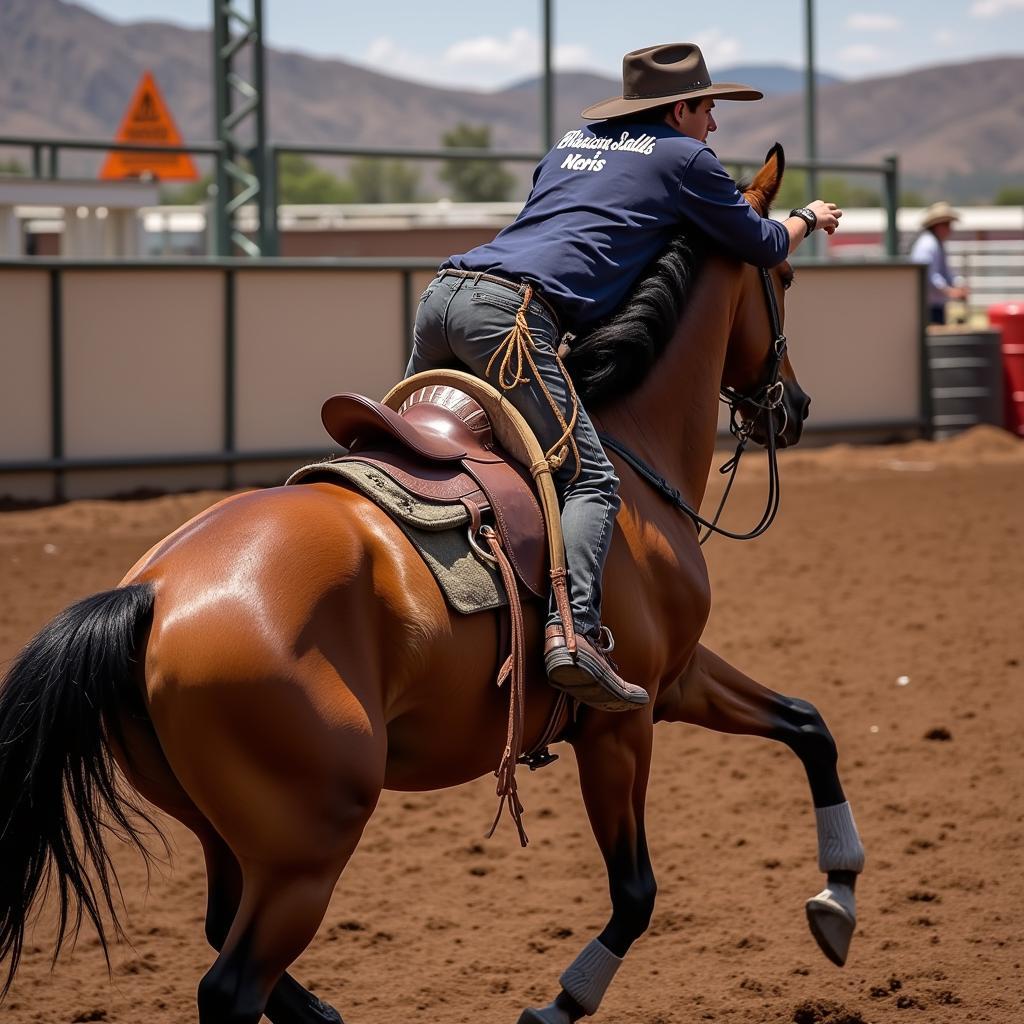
(766, 399)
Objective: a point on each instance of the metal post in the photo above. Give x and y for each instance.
(268, 217)
(259, 150)
(810, 113)
(229, 373)
(892, 205)
(548, 86)
(57, 379)
(222, 222)
(239, 169)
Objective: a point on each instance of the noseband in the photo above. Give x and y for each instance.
(765, 400)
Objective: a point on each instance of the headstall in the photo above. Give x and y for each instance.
(765, 400)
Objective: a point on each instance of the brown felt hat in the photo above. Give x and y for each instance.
(939, 213)
(663, 74)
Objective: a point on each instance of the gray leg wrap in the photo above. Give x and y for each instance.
(587, 978)
(839, 845)
(550, 1014)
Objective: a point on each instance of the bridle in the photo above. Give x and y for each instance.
(766, 399)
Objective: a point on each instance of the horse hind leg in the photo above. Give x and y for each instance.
(286, 885)
(145, 765)
(717, 696)
(281, 908)
(289, 1002)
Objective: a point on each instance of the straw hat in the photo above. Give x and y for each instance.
(939, 213)
(658, 75)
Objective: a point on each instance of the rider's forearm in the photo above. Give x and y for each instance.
(797, 229)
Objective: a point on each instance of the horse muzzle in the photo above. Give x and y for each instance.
(786, 417)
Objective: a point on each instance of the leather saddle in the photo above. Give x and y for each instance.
(440, 446)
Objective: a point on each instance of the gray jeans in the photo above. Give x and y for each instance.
(460, 323)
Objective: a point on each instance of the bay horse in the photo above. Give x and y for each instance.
(266, 670)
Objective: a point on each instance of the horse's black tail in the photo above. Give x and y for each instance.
(59, 788)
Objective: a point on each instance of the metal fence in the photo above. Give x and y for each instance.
(45, 164)
(223, 364)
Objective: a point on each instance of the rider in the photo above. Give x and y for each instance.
(605, 201)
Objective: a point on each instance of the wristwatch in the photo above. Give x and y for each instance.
(809, 217)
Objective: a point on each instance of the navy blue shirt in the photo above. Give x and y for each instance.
(605, 201)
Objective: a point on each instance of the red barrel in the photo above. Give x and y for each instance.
(1009, 317)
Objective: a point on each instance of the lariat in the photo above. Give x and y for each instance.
(516, 352)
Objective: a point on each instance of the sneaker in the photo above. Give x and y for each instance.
(588, 675)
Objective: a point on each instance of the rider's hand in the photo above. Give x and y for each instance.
(958, 293)
(828, 215)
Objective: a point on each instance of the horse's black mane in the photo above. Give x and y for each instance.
(615, 356)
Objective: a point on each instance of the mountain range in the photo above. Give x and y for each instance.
(65, 71)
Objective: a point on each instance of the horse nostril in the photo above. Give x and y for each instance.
(806, 407)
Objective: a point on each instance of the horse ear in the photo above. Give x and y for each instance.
(765, 186)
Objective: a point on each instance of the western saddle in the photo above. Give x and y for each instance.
(449, 437)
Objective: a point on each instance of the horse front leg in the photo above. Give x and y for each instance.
(713, 694)
(614, 756)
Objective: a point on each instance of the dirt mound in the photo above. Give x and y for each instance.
(824, 1011)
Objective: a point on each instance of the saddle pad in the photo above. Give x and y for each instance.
(438, 531)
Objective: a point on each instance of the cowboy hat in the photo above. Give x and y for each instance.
(939, 213)
(658, 75)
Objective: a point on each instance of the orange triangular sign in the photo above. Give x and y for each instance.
(148, 119)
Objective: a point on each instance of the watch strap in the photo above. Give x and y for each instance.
(807, 216)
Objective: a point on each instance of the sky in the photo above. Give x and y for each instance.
(469, 43)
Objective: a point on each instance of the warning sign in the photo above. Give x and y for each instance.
(148, 119)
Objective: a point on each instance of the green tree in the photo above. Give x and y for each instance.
(299, 180)
(12, 167)
(1010, 195)
(383, 181)
(831, 187)
(195, 193)
(911, 197)
(474, 181)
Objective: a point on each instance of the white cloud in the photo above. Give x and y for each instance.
(944, 37)
(385, 55)
(861, 53)
(993, 8)
(482, 61)
(575, 55)
(717, 47)
(519, 48)
(867, 21)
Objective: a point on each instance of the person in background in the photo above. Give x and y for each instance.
(929, 248)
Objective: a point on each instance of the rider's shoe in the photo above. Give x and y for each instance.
(589, 675)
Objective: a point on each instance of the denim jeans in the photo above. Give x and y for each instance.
(460, 323)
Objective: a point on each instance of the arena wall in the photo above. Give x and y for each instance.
(120, 377)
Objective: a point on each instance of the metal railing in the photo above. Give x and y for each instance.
(49, 168)
(888, 169)
(993, 269)
(270, 212)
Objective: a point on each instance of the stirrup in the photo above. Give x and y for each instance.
(538, 759)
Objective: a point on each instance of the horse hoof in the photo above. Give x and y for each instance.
(832, 925)
(548, 1015)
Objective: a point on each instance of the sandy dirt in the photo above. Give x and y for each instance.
(889, 562)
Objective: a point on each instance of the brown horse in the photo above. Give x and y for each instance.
(263, 672)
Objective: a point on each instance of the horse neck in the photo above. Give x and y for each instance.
(671, 420)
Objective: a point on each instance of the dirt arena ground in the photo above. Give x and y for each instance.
(887, 564)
